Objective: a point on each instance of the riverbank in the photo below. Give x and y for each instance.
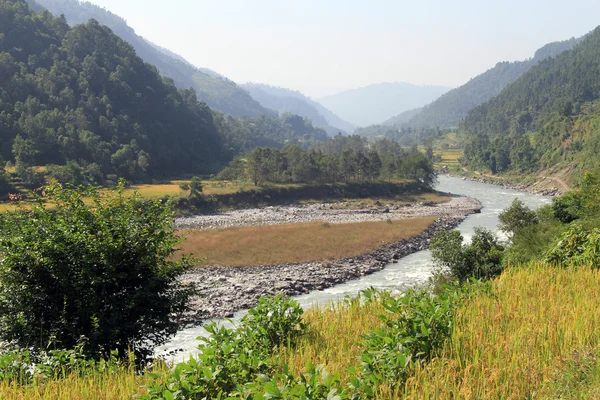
(225, 290)
(327, 212)
(507, 184)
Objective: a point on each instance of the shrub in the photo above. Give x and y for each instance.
(101, 271)
(569, 207)
(232, 360)
(517, 217)
(481, 259)
(577, 245)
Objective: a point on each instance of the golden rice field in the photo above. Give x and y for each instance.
(535, 336)
(517, 342)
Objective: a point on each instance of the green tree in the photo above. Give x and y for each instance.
(196, 187)
(104, 272)
(516, 217)
(482, 258)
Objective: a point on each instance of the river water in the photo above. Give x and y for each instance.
(409, 271)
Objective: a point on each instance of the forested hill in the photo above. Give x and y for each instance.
(453, 106)
(289, 101)
(81, 98)
(219, 93)
(547, 118)
(378, 102)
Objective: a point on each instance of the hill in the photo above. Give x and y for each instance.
(217, 92)
(375, 103)
(81, 100)
(549, 117)
(453, 106)
(405, 116)
(289, 101)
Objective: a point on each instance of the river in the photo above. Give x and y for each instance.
(410, 270)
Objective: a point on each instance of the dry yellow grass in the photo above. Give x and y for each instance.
(122, 385)
(507, 345)
(293, 243)
(334, 337)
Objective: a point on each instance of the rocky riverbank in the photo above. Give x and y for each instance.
(555, 190)
(226, 290)
(326, 212)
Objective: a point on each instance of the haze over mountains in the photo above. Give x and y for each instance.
(287, 100)
(376, 103)
(451, 107)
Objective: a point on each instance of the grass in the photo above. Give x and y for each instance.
(508, 345)
(326, 345)
(122, 385)
(294, 243)
(535, 336)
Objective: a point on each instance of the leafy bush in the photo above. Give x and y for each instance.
(533, 241)
(101, 271)
(569, 207)
(231, 358)
(577, 245)
(517, 217)
(415, 325)
(482, 258)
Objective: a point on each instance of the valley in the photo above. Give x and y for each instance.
(301, 200)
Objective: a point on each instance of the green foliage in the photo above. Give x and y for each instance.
(217, 92)
(533, 241)
(24, 366)
(102, 271)
(481, 259)
(231, 358)
(81, 99)
(577, 246)
(569, 207)
(341, 158)
(242, 135)
(545, 118)
(516, 217)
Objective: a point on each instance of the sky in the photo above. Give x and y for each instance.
(322, 47)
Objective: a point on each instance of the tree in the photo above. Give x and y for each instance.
(516, 217)
(104, 272)
(482, 258)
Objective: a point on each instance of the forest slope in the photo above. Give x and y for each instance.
(453, 106)
(81, 97)
(219, 93)
(549, 117)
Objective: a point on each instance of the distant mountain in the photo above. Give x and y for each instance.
(404, 117)
(219, 93)
(547, 119)
(290, 101)
(453, 106)
(375, 103)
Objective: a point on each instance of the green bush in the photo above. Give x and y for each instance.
(577, 245)
(516, 217)
(229, 359)
(481, 259)
(101, 271)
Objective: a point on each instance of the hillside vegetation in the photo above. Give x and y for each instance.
(454, 105)
(219, 93)
(81, 97)
(547, 118)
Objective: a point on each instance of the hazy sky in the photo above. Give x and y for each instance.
(324, 46)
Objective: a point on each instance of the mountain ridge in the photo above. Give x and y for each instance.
(371, 104)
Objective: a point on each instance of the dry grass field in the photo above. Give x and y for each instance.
(295, 243)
